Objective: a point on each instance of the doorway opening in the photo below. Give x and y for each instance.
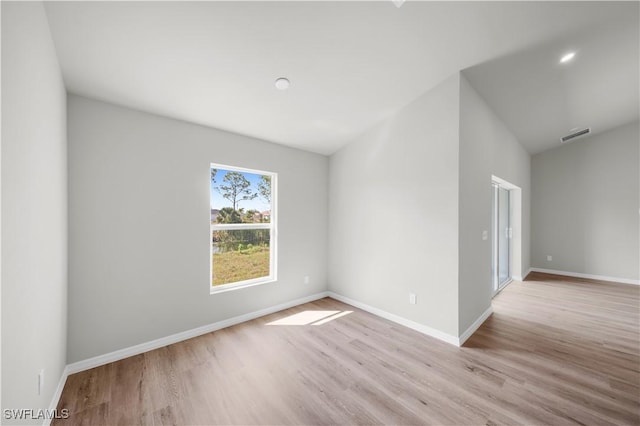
(506, 235)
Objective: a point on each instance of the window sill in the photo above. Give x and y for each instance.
(240, 285)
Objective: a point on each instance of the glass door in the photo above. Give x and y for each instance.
(501, 238)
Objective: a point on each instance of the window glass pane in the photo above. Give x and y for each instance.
(239, 255)
(240, 197)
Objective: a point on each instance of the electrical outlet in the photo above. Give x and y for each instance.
(485, 235)
(306, 279)
(412, 298)
(549, 258)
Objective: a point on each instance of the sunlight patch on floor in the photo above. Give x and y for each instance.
(310, 317)
(331, 318)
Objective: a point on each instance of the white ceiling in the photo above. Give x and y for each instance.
(351, 64)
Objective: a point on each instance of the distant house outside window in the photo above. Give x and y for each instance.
(243, 227)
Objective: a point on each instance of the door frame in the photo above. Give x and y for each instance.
(515, 225)
(500, 222)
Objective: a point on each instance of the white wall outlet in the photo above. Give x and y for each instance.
(412, 298)
(306, 279)
(549, 258)
(40, 381)
(485, 235)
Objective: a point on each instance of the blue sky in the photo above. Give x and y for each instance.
(218, 201)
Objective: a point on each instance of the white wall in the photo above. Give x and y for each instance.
(585, 204)
(487, 147)
(394, 213)
(34, 209)
(409, 201)
(139, 226)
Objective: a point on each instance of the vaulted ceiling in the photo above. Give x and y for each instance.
(542, 99)
(351, 64)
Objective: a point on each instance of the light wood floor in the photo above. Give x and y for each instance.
(555, 351)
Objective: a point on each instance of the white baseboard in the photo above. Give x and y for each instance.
(523, 277)
(589, 276)
(57, 394)
(527, 274)
(178, 337)
(432, 332)
(476, 325)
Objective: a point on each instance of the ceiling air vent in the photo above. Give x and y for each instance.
(575, 135)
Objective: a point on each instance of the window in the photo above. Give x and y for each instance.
(243, 227)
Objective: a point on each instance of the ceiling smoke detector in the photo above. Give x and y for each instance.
(282, 83)
(574, 135)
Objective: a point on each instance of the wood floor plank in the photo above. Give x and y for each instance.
(557, 351)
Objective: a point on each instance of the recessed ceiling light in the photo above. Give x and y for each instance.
(282, 83)
(567, 57)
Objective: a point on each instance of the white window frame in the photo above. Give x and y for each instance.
(273, 238)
